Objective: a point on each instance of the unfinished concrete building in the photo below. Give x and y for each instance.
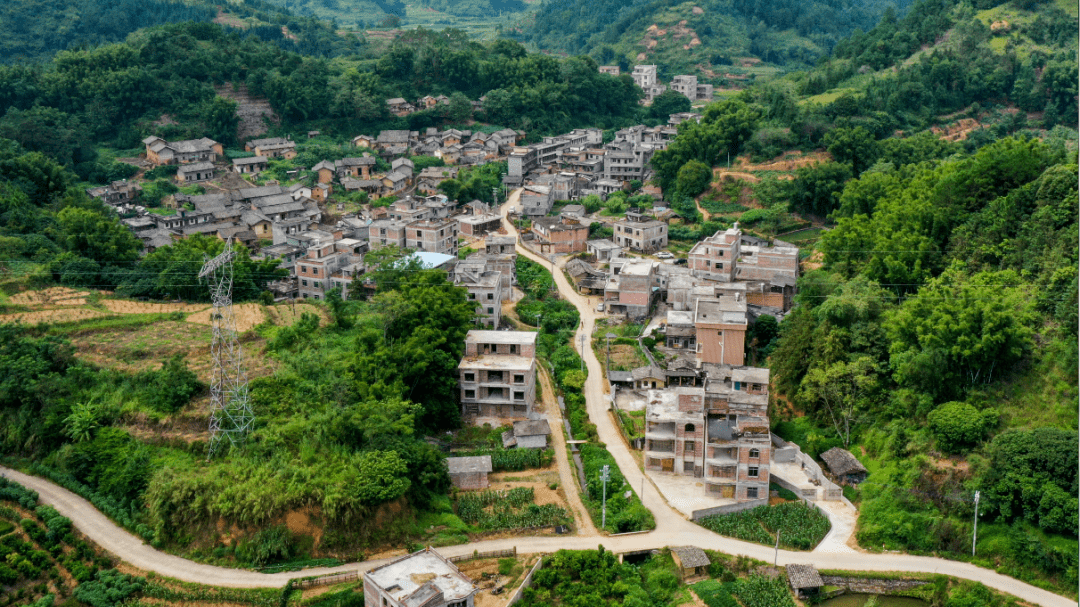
(420, 579)
(718, 432)
(640, 232)
(497, 375)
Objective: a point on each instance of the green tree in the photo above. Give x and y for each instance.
(853, 146)
(667, 103)
(842, 391)
(693, 178)
(222, 121)
(959, 425)
(93, 234)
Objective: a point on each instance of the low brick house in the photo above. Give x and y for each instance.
(560, 234)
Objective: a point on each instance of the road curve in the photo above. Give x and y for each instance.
(672, 529)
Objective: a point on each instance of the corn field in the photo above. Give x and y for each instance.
(801, 526)
(512, 509)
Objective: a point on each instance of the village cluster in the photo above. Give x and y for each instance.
(706, 413)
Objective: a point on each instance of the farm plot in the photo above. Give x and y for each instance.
(123, 306)
(55, 296)
(508, 509)
(801, 526)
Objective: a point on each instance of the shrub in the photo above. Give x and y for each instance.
(958, 425)
(271, 545)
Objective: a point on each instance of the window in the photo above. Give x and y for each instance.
(519, 378)
(491, 310)
(470, 376)
(305, 284)
(738, 385)
(495, 392)
(513, 349)
(494, 376)
(519, 395)
(752, 472)
(314, 271)
(490, 296)
(470, 394)
(719, 265)
(688, 466)
(689, 427)
(751, 493)
(472, 295)
(316, 297)
(755, 454)
(688, 447)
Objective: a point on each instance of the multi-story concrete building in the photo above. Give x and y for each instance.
(627, 162)
(718, 432)
(433, 235)
(536, 201)
(498, 374)
(644, 76)
(560, 234)
(730, 255)
(485, 288)
(720, 328)
(691, 89)
(641, 233)
(422, 578)
(631, 288)
(387, 232)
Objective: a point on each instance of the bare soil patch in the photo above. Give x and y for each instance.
(624, 357)
(49, 316)
(54, 296)
(957, 131)
(286, 315)
(248, 316)
(123, 306)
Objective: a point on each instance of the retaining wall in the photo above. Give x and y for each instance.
(728, 509)
(526, 583)
(784, 451)
(869, 585)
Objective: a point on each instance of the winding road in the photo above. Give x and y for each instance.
(671, 528)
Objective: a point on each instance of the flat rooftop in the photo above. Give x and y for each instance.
(403, 577)
(677, 318)
(501, 337)
(497, 362)
(663, 405)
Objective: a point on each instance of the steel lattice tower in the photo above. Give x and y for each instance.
(231, 417)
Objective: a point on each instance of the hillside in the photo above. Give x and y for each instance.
(34, 30)
(715, 36)
(480, 18)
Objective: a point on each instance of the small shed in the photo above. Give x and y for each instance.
(804, 580)
(691, 561)
(648, 377)
(621, 379)
(844, 466)
(469, 472)
(528, 434)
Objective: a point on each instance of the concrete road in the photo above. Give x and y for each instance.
(671, 528)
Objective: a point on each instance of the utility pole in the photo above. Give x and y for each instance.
(582, 351)
(609, 337)
(539, 315)
(776, 550)
(975, 529)
(605, 474)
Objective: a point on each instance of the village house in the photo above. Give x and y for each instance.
(116, 193)
(485, 288)
(688, 86)
(631, 289)
(387, 232)
(720, 330)
(479, 222)
(195, 172)
(399, 107)
(277, 149)
(527, 434)
(433, 235)
(536, 201)
(358, 168)
(159, 151)
(612, 70)
(364, 141)
(718, 432)
(603, 250)
(729, 255)
(249, 166)
(498, 374)
(421, 579)
(560, 235)
(640, 232)
(681, 117)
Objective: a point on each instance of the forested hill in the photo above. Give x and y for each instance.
(711, 34)
(34, 30)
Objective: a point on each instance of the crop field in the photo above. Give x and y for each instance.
(801, 526)
(508, 509)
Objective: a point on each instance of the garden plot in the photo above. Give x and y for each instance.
(50, 316)
(55, 296)
(123, 306)
(514, 501)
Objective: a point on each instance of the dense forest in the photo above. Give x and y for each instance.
(34, 30)
(935, 333)
(785, 33)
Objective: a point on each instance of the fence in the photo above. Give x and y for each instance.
(526, 583)
(494, 554)
(326, 580)
(728, 509)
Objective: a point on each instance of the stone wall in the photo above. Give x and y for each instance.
(870, 585)
(728, 509)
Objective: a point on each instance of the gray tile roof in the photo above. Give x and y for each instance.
(804, 576)
(691, 556)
